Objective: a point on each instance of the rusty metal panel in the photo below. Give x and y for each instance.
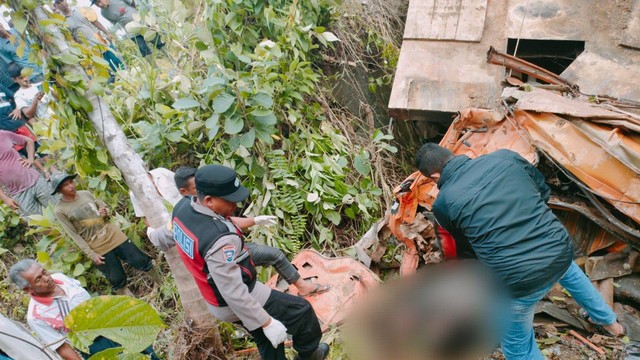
(460, 20)
(585, 159)
(599, 75)
(631, 37)
(350, 281)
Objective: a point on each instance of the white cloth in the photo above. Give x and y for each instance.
(24, 97)
(46, 315)
(18, 342)
(166, 186)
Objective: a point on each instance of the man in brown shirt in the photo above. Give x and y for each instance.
(83, 218)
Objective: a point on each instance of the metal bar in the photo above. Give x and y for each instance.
(512, 62)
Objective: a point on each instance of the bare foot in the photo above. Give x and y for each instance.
(615, 329)
(306, 288)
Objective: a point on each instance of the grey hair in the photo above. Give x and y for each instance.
(15, 273)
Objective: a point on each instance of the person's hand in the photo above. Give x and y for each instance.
(11, 203)
(16, 114)
(39, 96)
(26, 162)
(97, 259)
(275, 332)
(149, 231)
(103, 211)
(47, 175)
(265, 220)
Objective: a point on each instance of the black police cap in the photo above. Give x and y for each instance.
(220, 181)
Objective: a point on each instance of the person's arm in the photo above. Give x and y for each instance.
(243, 222)
(103, 209)
(70, 229)
(162, 238)
(260, 220)
(67, 352)
(102, 28)
(38, 164)
(227, 275)
(8, 200)
(30, 111)
(29, 145)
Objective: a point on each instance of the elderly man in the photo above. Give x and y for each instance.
(28, 191)
(496, 203)
(213, 250)
(83, 218)
(53, 296)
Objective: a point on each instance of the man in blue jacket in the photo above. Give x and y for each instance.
(497, 204)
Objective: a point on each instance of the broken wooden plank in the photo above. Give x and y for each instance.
(454, 20)
(556, 312)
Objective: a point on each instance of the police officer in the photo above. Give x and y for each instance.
(213, 250)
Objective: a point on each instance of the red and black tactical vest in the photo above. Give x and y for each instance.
(195, 233)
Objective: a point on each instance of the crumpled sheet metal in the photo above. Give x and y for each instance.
(349, 280)
(571, 148)
(473, 133)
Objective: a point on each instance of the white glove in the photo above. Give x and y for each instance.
(149, 231)
(265, 220)
(275, 332)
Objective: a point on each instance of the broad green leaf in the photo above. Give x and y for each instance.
(247, 139)
(73, 77)
(222, 102)
(212, 125)
(265, 120)
(116, 353)
(107, 354)
(185, 103)
(19, 23)
(233, 124)
(194, 125)
(261, 112)
(128, 321)
(362, 163)
(333, 216)
(68, 58)
(79, 270)
(263, 99)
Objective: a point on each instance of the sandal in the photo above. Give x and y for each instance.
(319, 289)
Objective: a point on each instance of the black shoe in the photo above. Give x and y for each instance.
(320, 354)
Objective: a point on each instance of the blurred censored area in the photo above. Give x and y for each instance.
(454, 310)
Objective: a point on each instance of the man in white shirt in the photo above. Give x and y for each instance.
(53, 296)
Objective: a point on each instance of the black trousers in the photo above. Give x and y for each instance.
(301, 322)
(102, 343)
(129, 253)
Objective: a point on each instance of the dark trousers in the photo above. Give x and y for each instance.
(114, 61)
(301, 322)
(142, 44)
(129, 253)
(263, 255)
(102, 343)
